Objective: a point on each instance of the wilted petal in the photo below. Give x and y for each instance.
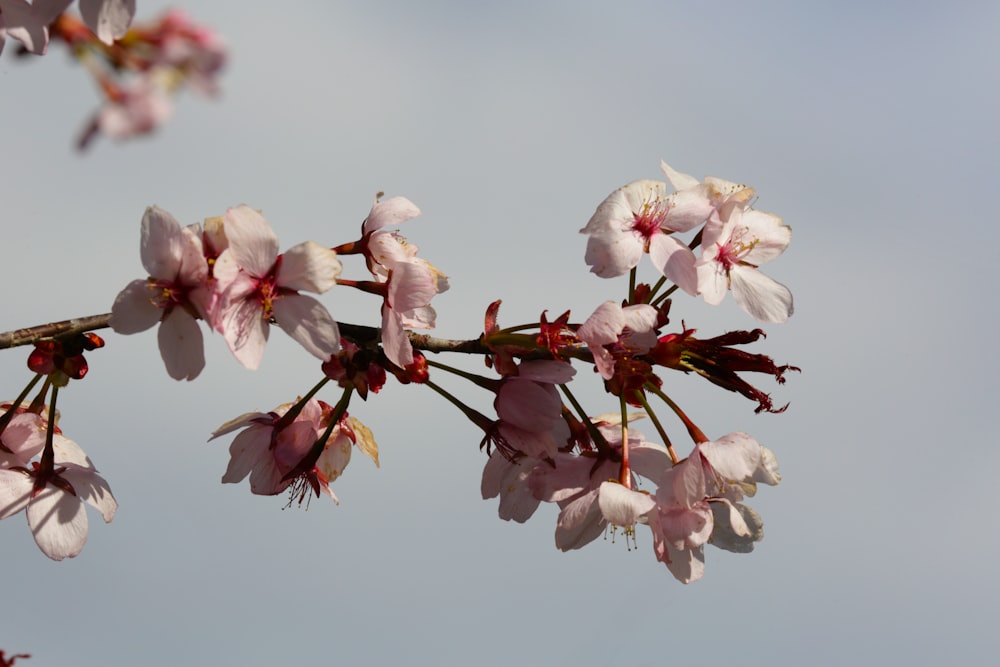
(674, 260)
(737, 527)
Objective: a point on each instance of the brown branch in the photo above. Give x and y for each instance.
(356, 332)
(31, 335)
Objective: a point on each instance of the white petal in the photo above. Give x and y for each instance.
(160, 246)
(92, 489)
(15, 490)
(674, 260)
(309, 267)
(621, 506)
(764, 298)
(58, 521)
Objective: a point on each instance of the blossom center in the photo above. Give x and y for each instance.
(738, 246)
(649, 219)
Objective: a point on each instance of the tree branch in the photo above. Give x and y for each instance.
(355, 332)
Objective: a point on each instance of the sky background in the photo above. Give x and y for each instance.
(870, 128)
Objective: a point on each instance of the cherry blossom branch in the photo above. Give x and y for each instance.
(356, 332)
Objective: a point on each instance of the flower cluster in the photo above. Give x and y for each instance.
(229, 273)
(641, 218)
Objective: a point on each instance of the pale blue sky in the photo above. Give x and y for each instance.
(869, 127)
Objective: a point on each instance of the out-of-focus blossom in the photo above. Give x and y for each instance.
(612, 331)
(131, 109)
(177, 272)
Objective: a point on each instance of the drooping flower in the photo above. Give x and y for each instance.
(260, 285)
(271, 450)
(177, 269)
(705, 487)
(52, 494)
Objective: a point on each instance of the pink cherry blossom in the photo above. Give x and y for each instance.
(703, 488)
(177, 270)
(271, 450)
(734, 243)
(640, 218)
(259, 284)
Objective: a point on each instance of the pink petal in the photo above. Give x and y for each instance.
(389, 212)
(252, 242)
(580, 522)
(247, 452)
(160, 246)
(135, 308)
(309, 267)
(181, 345)
(678, 180)
(395, 343)
(246, 331)
(308, 322)
(674, 260)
